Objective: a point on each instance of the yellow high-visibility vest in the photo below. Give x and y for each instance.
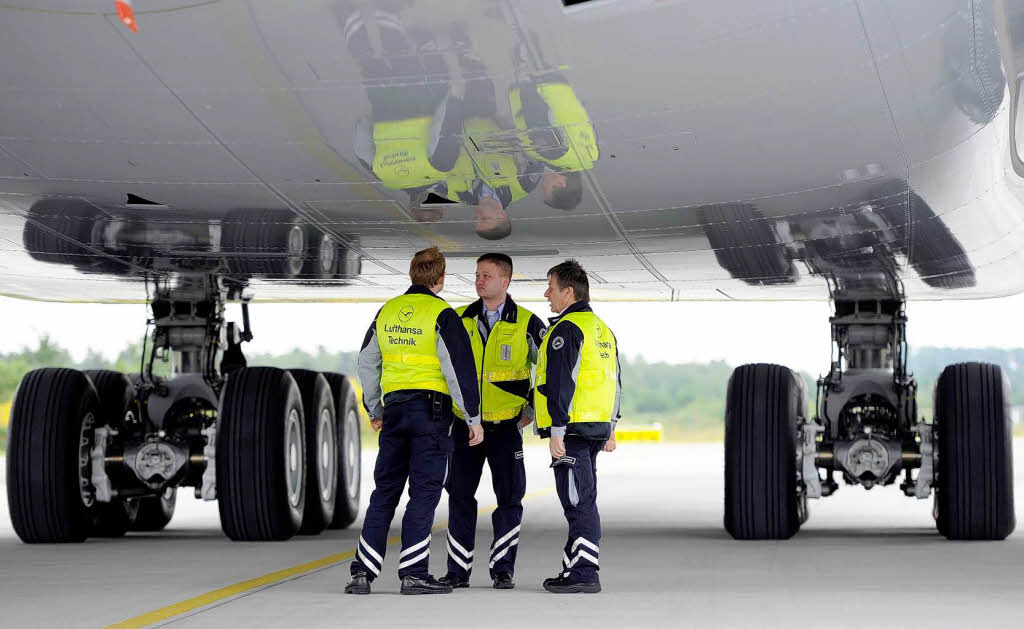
(401, 159)
(496, 168)
(569, 120)
(597, 379)
(407, 336)
(504, 360)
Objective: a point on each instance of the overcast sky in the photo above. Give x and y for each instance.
(791, 333)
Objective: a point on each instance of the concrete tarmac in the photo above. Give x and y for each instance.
(863, 558)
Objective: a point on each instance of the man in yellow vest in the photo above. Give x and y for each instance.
(576, 400)
(556, 132)
(497, 174)
(505, 338)
(415, 364)
(410, 141)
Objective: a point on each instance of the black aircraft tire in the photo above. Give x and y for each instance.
(321, 450)
(155, 512)
(763, 404)
(745, 245)
(264, 242)
(974, 495)
(54, 410)
(346, 507)
(117, 406)
(261, 451)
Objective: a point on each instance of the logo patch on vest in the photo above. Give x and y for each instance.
(557, 342)
(406, 313)
(506, 352)
(519, 454)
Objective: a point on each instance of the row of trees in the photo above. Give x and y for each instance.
(688, 399)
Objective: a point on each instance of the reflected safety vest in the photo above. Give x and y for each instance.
(498, 169)
(569, 120)
(407, 336)
(594, 398)
(503, 364)
(401, 159)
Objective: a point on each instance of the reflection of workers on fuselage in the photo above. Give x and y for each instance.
(505, 339)
(556, 132)
(410, 140)
(500, 176)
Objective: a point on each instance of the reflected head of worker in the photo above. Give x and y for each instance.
(490, 220)
(427, 269)
(562, 191)
(493, 275)
(567, 284)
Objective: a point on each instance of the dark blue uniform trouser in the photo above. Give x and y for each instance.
(577, 490)
(416, 448)
(503, 450)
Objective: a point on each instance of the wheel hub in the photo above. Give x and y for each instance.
(293, 457)
(326, 470)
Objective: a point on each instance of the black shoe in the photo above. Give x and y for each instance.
(564, 585)
(503, 581)
(360, 584)
(454, 580)
(424, 585)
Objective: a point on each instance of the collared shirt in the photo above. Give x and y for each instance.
(493, 316)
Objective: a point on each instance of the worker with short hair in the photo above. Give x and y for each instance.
(415, 365)
(576, 399)
(505, 337)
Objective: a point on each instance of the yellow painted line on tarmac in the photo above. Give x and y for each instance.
(272, 578)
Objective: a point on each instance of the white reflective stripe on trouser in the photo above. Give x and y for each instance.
(505, 538)
(585, 542)
(583, 555)
(416, 559)
(414, 547)
(410, 550)
(364, 551)
(497, 552)
(504, 551)
(466, 559)
(465, 565)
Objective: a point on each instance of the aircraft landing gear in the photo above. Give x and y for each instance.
(97, 453)
(865, 428)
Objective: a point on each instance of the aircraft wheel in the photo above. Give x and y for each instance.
(763, 404)
(346, 507)
(350, 263)
(745, 244)
(53, 420)
(261, 471)
(322, 450)
(322, 261)
(974, 494)
(265, 242)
